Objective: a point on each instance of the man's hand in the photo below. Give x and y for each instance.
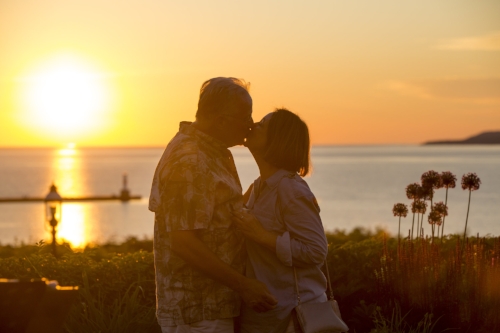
(190, 248)
(256, 295)
(251, 228)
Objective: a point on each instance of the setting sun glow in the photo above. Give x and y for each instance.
(65, 96)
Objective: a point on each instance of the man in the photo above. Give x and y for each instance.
(199, 256)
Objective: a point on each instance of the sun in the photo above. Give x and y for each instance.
(66, 96)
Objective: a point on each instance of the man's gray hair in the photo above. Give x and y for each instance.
(218, 93)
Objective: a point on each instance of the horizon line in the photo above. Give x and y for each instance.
(164, 146)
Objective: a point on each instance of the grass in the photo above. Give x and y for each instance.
(429, 287)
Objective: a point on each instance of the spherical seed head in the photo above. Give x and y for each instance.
(418, 206)
(434, 217)
(470, 181)
(400, 209)
(431, 179)
(448, 179)
(441, 208)
(413, 191)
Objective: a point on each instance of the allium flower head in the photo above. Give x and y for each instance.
(413, 191)
(418, 206)
(431, 179)
(426, 193)
(400, 210)
(435, 217)
(448, 179)
(441, 208)
(471, 181)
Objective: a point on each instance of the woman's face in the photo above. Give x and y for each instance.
(257, 139)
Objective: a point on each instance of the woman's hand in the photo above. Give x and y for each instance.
(250, 226)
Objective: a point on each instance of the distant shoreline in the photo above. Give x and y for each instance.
(485, 138)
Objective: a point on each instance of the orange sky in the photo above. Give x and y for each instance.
(124, 73)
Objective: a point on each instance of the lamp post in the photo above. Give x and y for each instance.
(53, 213)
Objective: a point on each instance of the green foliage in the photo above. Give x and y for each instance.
(373, 284)
(116, 290)
(398, 324)
(128, 313)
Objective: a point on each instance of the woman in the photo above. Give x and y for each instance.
(281, 222)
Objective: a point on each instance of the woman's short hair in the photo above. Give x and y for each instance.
(288, 144)
(218, 93)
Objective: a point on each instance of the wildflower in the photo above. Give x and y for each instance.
(448, 179)
(470, 182)
(413, 191)
(399, 209)
(441, 209)
(419, 207)
(426, 193)
(431, 179)
(434, 217)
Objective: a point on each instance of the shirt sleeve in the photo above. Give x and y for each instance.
(304, 242)
(187, 197)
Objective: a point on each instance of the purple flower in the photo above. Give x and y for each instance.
(400, 209)
(471, 181)
(448, 179)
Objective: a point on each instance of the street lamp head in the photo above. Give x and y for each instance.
(53, 213)
(53, 196)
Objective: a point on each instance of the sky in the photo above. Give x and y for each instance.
(125, 73)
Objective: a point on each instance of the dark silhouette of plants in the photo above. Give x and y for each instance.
(471, 182)
(400, 209)
(426, 193)
(442, 210)
(448, 180)
(434, 218)
(431, 180)
(419, 207)
(413, 192)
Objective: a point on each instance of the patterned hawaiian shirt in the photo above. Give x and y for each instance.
(195, 187)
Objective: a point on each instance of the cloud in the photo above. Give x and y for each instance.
(476, 90)
(489, 42)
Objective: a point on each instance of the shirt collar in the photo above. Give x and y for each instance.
(274, 180)
(186, 127)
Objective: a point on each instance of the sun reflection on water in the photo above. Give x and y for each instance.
(68, 179)
(72, 228)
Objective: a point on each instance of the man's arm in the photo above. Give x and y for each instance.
(187, 245)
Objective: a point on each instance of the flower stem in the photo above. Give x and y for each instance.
(399, 232)
(467, 218)
(412, 222)
(444, 217)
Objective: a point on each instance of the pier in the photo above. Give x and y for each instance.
(124, 196)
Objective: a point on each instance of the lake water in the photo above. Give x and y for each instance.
(355, 186)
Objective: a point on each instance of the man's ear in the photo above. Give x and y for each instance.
(219, 122)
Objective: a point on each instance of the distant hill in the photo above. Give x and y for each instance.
(480, 139)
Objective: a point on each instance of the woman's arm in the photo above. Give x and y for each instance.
(304, 242)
